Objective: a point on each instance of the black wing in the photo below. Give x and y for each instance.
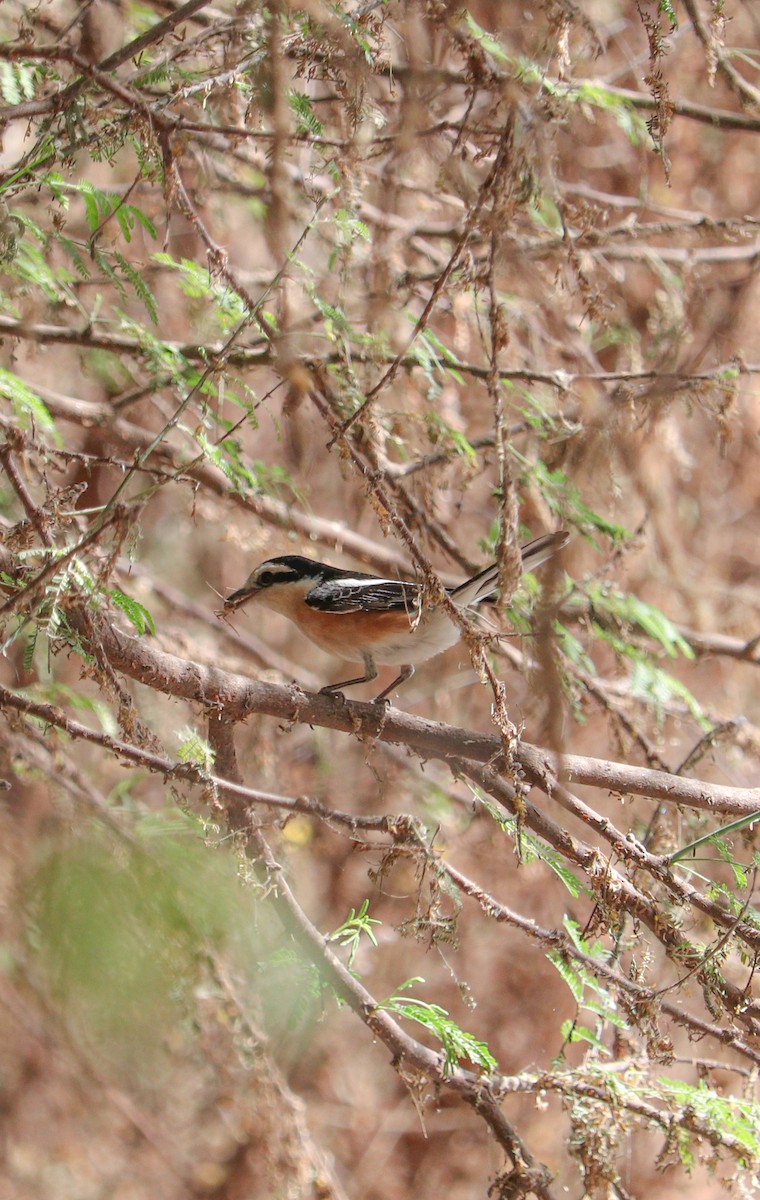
(356, 594)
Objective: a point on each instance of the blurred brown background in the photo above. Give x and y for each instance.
(628, 285)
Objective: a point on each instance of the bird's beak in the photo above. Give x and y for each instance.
(235, 599)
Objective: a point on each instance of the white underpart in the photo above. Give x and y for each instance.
(434, 633)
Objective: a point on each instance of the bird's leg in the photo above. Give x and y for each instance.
(370, 669)
(405, 673)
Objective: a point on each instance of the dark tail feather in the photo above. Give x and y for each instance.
(536, 552)
(533, 554)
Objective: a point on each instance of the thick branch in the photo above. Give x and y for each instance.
(431, 739)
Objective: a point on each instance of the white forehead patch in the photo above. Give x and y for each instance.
(276, 572)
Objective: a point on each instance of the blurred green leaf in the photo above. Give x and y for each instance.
(629, 610)
(120, 926)
(27, 405)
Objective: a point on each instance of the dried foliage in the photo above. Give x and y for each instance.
(394, 285)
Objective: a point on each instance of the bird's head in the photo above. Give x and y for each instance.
(274, 579)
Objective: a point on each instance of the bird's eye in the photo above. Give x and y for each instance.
(267, 578)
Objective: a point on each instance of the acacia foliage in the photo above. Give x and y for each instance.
(395, 284)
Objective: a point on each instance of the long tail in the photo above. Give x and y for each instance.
(472, 591)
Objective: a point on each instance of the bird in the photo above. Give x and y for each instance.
(361, 617)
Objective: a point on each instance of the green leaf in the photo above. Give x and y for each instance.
(433, 356)
(125, 220)
(573, 649)
(91, 213)
(119, 927)
(740, 823)
(350, 932)
(620, 108)
(80, 266)
(565, 499)
(657, 687)
(533, 848)
(545, 213)
(630, 610)
(195, 749)
(724, 850)
(30, 263)
(196, 282)
(588, 992)
(572, 1032)
(301, 107)
(29, 649)
(138, 283)
(666, 7)
(351, 227)
(104, 263)
(135, 612)
(26, 404)
(16, 81)
(604, 1008)
(725, 1114)
(163, 358)
(457, 1044)
(441, 432)
(568, 972)
(144, 220)
(60, 693)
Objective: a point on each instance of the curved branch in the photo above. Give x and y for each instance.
(430, 739)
